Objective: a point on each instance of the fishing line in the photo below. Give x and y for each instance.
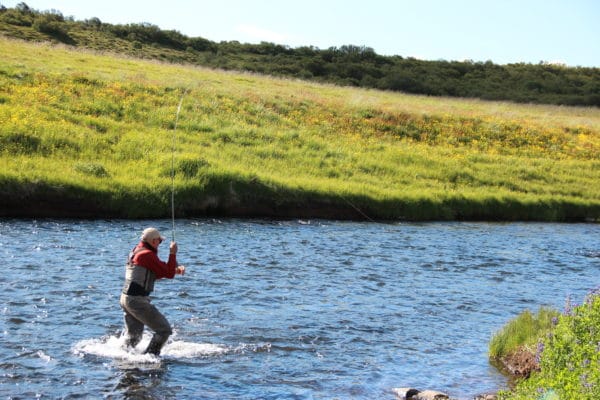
(173, 174)
(357, 209)
(173, 166)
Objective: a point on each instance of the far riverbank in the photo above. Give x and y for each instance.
(239, 199)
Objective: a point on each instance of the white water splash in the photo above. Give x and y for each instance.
(114, 347)
(43, 356)
(180, 349)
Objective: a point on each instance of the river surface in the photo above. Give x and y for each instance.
(280, 310)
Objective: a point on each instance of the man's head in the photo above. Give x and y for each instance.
(149, 235)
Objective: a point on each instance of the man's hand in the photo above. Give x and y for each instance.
(180, 270)
(173, 248)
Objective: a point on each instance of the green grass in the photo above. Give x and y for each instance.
(96, 130)
(525, 330)
(570, 357)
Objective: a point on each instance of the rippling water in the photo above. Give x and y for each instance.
(280, 310)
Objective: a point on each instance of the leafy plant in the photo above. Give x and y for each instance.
(93, 169)
(570, 357)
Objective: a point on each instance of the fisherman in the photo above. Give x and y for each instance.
(142, 269)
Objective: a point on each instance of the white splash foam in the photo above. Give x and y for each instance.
(45, 357)
(181, 349)
(114, 347)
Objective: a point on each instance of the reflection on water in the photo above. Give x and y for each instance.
(310, 309)
(141, 384)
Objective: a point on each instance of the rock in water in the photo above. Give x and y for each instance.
(486, 396)
(431, 395)
(405, 393)
(415, 394)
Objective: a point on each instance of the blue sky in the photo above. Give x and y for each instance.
(503, 31)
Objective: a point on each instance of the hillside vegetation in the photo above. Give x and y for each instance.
(348, 65)
(91, 135)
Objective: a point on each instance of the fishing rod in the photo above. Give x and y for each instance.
(173, 166)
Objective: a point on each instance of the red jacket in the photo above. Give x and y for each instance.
(148, 258)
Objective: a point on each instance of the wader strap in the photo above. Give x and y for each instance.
(134, 252)
(134, 288)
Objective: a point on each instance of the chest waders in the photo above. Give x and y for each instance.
(139, 281)
(139, 311)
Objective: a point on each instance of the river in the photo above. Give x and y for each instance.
(312, 309)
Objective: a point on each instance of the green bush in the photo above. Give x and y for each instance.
(17, 18)
(570, 357)
(19, 143)
(190, 167)
(52, 24)
(92, 169)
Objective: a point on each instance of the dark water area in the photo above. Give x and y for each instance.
(280, 310)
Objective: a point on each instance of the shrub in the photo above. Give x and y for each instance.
(19, 143)
(189, 167)
(14, 17)
(93, 169)
(50, 24)
(570, 357)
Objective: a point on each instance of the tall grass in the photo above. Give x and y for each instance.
(250, 144)
(525, 330)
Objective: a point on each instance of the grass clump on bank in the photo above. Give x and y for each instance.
(523, 331)
(90, 135)
(569, 358)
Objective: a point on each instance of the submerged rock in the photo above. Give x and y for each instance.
(415, 394)
(405, 393)
(486, 396)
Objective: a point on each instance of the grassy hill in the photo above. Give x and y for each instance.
(88, 134)
(347, 65)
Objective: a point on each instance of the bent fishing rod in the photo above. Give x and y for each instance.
(174, 141)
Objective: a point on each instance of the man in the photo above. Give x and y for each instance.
(143, 268)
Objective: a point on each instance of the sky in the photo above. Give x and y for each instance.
(502, 31)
